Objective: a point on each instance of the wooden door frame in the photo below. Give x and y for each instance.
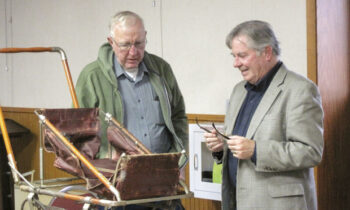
(311, 33)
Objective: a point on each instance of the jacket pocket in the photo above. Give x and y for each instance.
(285, 190)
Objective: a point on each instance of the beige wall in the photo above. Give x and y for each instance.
(189, 34)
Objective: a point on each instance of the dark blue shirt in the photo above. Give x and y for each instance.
(251, 102)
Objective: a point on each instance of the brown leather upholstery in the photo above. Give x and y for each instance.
(81, 127)
(138, 175)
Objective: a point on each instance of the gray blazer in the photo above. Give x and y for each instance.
(288, 129)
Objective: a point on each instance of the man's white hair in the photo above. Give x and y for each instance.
(124, 18)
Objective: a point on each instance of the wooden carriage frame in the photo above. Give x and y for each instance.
(41, 189)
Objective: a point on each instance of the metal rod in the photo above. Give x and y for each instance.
(64, 62)
(78, 198)
(29, 49)
(107, 203)
(41, 155)
(68, 75)
(7, 142)
(70, 84)
(13, 167)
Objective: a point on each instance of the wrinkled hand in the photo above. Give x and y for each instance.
(213, 143)
(241, 147)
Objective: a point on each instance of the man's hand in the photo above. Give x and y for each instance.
(241, 147)
(214, 143)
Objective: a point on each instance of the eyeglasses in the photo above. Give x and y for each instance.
(208, 131)
(127, 46)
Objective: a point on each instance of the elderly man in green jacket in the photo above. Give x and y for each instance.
(137, 88)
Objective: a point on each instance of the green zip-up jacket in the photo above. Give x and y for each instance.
(97, 86)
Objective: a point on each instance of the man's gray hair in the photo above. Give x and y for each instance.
(259, 34)
(126, 18)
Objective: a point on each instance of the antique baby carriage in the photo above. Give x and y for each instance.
(131, 174)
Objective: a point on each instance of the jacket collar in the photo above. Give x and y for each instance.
(106, 60)
(266, 102)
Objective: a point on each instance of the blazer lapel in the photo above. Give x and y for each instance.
(266, 102)
(235, 105)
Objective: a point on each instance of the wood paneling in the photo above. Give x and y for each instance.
(333, 64)
(27, 154)
(311, 47)
(311, 40)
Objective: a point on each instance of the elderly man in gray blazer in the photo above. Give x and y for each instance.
(275, 126)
